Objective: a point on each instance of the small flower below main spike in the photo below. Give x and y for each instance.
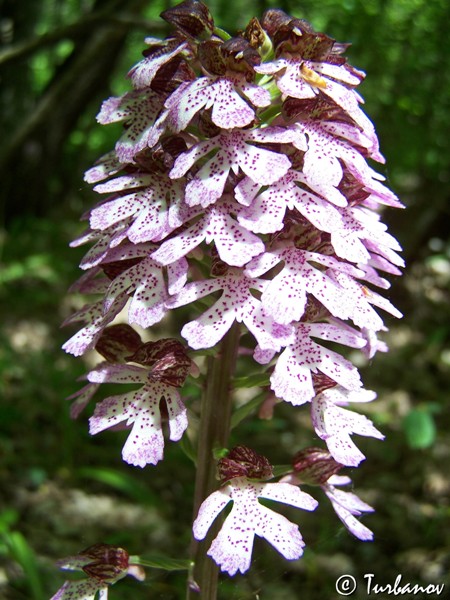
(104, 564)
(232, 548)
(140, 408)
(315, 466)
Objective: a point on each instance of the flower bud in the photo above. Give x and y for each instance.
(322, 382)
(168, 360)
(117, 341)
(103, 562)
(258, 38)
(244, 462)
(315, 466)
(192, 18)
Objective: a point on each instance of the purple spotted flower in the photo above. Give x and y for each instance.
(104, 564)
(232, 548)
(234, 151)
(314, 466)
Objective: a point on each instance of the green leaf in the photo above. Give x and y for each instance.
(255, 380)
(8, 517)
(279, 470)
(162, 562)
(123, 482)
(23, 554)
(186, 446)
(243, 411)
(419, 428)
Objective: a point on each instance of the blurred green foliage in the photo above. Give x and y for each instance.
(61, 490)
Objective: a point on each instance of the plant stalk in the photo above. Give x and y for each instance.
(213, 433)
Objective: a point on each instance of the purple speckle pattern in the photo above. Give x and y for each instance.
(85, 589)
(232, 548)
(140, 410)
(335, 424)
(239, 188)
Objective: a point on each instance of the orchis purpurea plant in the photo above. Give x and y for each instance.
(239, 190)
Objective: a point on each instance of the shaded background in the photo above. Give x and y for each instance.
(61, 490)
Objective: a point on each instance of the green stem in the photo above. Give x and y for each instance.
(214, 432)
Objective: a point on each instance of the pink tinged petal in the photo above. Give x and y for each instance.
(209, 510)
(246, 191)
(269, 334)
(346, 506)
(323, 171)
(125, 182)
(147, 306)
(334, 333)
(285, 297)
(186, 101)
(177, 275)
(292, 380)
(261, 264)
(344, 450)
(292, 83)
(145, 444)
(114, 410)
(81, 399)
(97, 320)
(117, 373)
(256, 94)
(193, 291)
(208, 329)
(382, 195)
(178, 421)
(143, 73)
(108, 240)
(232, 548)
(334, 425)
(106, 166)
(341, 397)
(140, 110)
(265, 215)
(263, 356)
(208, 185)
(177, 247)
(271, 67)
(235, 245)
(109, 213)
(283, 535)
(263, 166)
(336, 72)
(185, 161)
(229, 109)
(85, 589)
(288, 494)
